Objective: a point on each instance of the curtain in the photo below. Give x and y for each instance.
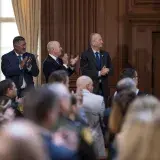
(27, 15)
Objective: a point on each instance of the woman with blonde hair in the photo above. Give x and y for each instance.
(139, 137)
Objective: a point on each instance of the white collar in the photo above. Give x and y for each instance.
(18, 54)
(85, 91)
(94, 51)
(54, 57)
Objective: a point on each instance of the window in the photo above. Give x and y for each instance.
(8, 29)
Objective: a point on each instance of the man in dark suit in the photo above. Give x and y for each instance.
(20, 66)
(53, 62)
(96, 64)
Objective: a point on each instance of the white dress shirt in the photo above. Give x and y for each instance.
(55, 58)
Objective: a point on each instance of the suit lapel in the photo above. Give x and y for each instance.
(102, 59)
(92, 57)
(53, 61)
(15, 57)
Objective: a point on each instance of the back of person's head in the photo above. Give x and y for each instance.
(40, 105)
(63, 95)
(5, 86)
(126, 84)
(59, 76)
(139, 138)
(20, 141)
(120, 107)
(84, 82)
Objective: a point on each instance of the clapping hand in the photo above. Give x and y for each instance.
(73, 61)
(23, 62)
(65, 59)
(28, 63)
(104, 71)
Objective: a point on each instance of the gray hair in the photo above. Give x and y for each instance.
(126, 84)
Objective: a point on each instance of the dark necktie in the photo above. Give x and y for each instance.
(98, 60)
(57, 60)
(21, 76)
(20, 59)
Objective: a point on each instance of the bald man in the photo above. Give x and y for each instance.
(96, 64)
(53, 62)
(94, 108)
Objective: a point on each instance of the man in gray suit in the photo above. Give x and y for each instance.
(94, 107)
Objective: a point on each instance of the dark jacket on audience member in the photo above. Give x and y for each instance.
(50, 65)
(11, 70)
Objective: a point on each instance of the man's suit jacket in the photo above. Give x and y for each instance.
(94, 107)
(89, 68)
(11, 70)
(50, 65)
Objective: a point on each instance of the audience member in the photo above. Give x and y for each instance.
(94, 108)
(97, 64)
(139, 137)
(119, 109)
(6, 111)
(20, 141)
(78, 137)
(43, 110)
(20, 66)
(8, 91)
(53, 62)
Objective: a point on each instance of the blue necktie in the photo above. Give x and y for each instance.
(21, 76)
(57, 60)
(98, 60)
(20, 58)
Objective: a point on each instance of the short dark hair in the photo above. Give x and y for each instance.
(128, 73)
(4, 86)
(38, 102)
(58, 76)
(17, 39)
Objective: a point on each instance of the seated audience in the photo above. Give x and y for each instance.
(20, 141)
(139, 137)
(94, 107)
(8, 91)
